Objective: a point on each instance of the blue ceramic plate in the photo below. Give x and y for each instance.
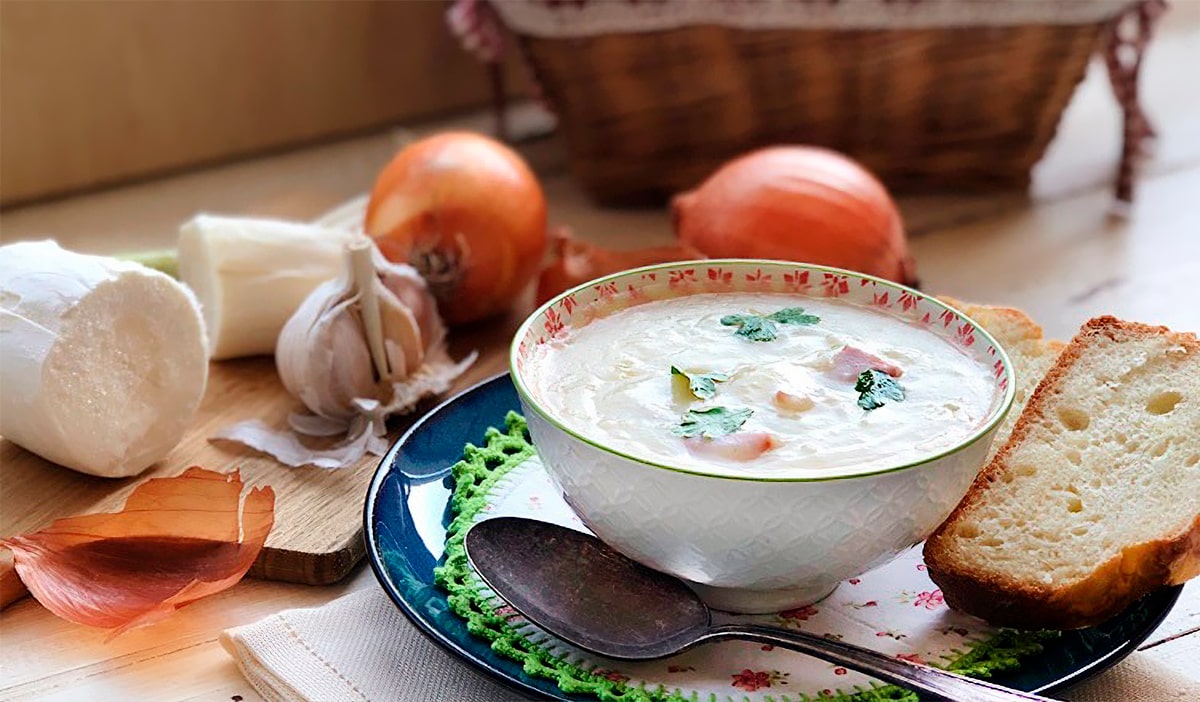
(407, 511)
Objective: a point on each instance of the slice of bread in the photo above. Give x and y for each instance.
(1021, 338)
(1095, 498)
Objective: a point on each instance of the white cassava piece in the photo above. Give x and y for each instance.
(102, 362)
(250, 275)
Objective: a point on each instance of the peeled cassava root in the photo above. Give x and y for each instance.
(252, 274)
(102, 362)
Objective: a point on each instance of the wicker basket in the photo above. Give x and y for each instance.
(923, 109)
(649, 113)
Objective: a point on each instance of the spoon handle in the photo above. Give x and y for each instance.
(936, 683)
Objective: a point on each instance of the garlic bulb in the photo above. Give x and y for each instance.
(359, 349)
(348, 339)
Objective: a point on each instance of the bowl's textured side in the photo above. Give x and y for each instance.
(753, 534)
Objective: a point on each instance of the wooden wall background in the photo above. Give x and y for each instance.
(99, 92)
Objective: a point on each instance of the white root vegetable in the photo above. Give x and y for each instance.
(360, 348)
(102, 362)
(252, 274)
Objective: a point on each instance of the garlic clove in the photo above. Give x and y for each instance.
(322, 358)
(347, 363)
(402, 335)
(410, 288)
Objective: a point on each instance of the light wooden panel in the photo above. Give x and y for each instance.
(99, 92)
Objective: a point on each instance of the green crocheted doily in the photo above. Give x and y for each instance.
(474, 477)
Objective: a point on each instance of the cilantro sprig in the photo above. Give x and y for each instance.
(702, 385)
(752, 326)
(793, 315)
(712, 422)
(876, 388)
(764, 328)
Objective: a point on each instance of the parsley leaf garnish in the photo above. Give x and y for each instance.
(712, 422)
(759, 328)
(702, 385)
(874, 387)
(751, 326)
(793, 315)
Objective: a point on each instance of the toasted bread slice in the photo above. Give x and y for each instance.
(1095, 498)
(1021, 338)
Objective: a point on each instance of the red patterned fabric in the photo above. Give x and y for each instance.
(477, 28)
(1125, 44)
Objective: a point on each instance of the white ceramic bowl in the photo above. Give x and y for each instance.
(755, 544)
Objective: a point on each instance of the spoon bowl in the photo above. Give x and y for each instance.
(585, 592)
(577, 588)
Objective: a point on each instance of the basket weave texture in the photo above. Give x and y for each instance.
(647, 115)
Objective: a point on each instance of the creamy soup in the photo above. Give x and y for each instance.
(765, 384)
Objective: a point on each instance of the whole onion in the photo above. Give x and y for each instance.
(468, 214)
(796, 203)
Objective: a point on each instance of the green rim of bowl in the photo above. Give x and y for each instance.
(532, 403)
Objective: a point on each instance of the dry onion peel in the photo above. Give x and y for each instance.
(576, 262)
(11, 587)
(360, 349)
(176, 540)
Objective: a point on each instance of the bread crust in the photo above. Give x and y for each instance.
(1137, 570)
(1026, 329)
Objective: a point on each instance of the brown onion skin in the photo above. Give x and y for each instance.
(468, 213)
(575, 262)
(797, 203)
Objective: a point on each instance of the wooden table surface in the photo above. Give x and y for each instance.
(1055, 253)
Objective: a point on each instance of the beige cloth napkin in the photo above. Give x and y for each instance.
(360, 648)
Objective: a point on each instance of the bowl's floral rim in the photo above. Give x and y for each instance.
(580, 305)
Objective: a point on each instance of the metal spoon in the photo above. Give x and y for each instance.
(585, 593)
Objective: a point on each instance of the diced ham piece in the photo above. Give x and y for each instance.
(792, 401)
(851, 361)
(733, 447)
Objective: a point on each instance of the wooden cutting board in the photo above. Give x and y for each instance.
(318, 532)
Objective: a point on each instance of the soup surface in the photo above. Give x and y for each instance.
(765, 384)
